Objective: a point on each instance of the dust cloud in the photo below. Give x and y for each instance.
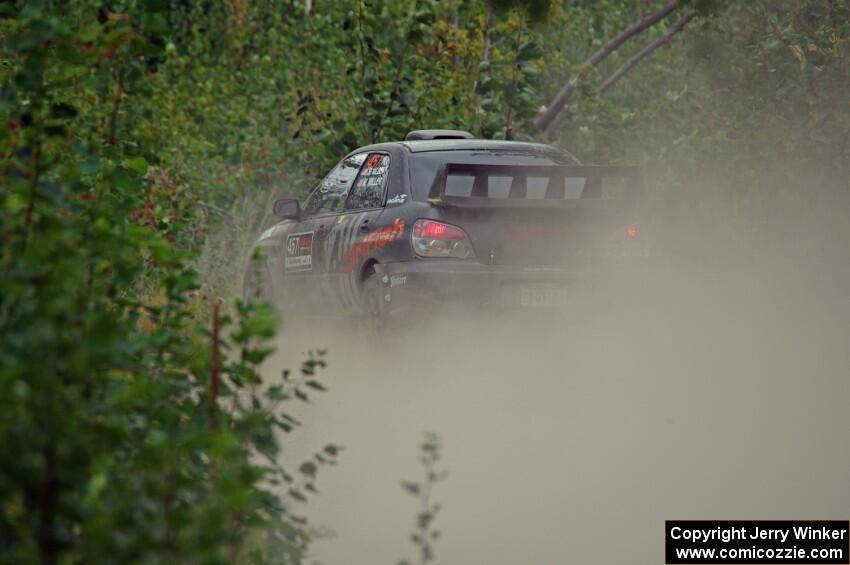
(716, 389)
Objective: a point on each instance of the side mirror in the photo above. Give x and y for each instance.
(287, 209)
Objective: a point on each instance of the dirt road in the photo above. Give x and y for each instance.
(715, 397)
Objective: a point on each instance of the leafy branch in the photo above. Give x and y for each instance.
(425, 534)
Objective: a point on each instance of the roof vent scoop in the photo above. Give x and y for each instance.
(437, 134)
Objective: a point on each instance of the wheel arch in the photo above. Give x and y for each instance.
(367, 269)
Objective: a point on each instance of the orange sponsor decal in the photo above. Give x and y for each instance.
(374, 240)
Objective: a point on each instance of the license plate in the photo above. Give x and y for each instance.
(541, 295)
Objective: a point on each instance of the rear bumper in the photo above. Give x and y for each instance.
(432, 284)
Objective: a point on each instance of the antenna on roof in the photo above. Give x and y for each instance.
(418, 134)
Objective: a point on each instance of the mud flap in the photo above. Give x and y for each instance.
(383, 277)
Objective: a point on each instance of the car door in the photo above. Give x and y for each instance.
(305, 259)
(352, 238)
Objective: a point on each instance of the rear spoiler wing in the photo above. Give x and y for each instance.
(518, 195)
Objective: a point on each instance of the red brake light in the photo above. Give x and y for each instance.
(436, 239)
(632, 232)
(437, 230)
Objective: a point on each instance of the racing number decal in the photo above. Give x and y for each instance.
(299, 252)
(374, 160)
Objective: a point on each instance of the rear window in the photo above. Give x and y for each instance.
(425, 166)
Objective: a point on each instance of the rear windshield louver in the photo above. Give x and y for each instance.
(531, 185)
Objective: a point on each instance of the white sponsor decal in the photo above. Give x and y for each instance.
(299, 252)
(398, 199)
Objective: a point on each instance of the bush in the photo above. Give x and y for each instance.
(133, 430)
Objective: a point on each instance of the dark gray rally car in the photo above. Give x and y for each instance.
(444, 219)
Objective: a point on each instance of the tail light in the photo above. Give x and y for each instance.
(632, 232)
(436, 239)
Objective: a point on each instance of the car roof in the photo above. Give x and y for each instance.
(420, 146)
(473, 144)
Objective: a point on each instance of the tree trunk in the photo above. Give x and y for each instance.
(646, 51)
(488, 28)
(546, 118)
(486, 53)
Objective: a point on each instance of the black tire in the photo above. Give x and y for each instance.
(256, 285)
(373, 317)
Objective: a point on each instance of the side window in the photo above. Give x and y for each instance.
(329, 197)
(371, 183)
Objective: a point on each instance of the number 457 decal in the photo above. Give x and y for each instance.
(299, 252)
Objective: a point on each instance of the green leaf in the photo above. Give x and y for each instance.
(137, 165)
(308, 468)
(315, 385)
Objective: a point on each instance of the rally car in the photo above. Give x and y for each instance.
(442, 219)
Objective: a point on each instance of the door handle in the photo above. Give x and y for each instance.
(364, 227)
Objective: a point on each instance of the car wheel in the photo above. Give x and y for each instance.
(257, 284)
(373, 314)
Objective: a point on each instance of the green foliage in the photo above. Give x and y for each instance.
(745, 82)
(277, 93)
(130, 431)
(535, 9)
(508, 90)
